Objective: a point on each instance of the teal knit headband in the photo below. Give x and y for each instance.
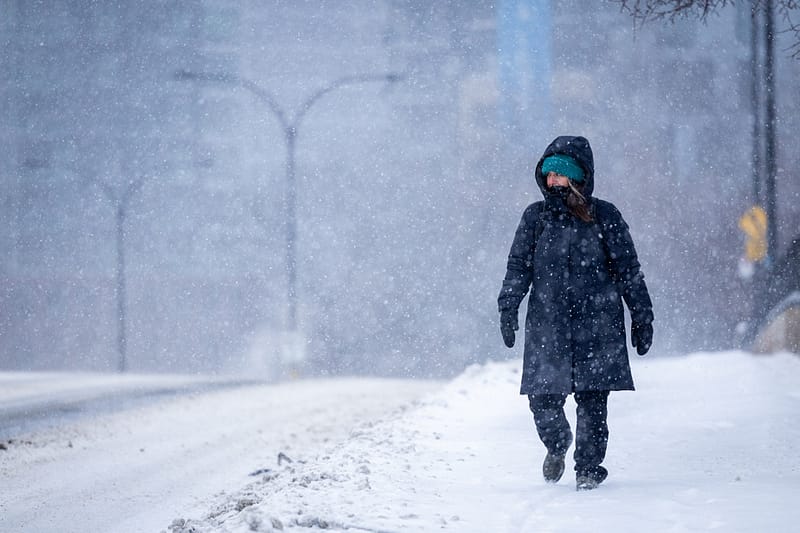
(564, 165)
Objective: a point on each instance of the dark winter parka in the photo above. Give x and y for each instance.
(578, 274)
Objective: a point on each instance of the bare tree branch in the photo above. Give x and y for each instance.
(648, 10)
(642, 11)
(785, 8)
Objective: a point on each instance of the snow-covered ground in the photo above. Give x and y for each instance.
(707, 442)
(134, 468)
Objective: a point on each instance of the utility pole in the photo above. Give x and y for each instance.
(755, 100)
(760, 221)
(769, 133)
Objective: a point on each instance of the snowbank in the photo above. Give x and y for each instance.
(707, 442)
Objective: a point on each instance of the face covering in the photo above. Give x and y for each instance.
(558, 192)
(555, 198)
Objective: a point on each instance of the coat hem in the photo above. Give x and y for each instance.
(524, 392)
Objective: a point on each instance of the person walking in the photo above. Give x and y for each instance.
(576, 256)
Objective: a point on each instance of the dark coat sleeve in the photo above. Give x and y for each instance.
(624, 264)
(519, 269)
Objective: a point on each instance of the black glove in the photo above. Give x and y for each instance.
(641, 336)
(508, 325)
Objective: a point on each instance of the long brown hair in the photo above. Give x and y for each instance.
(577, 203)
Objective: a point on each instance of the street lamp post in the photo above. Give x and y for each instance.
(290, 125)
(121, 201)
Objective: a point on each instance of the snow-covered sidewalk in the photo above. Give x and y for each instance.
(707, 442)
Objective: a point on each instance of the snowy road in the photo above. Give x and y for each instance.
(38, 400)
(138, 469)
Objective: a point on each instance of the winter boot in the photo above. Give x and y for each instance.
(590, 480)
(553, 467)
(586, 483)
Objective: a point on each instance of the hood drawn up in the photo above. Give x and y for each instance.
(576, 147)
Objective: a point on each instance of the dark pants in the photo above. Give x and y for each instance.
(592, 430)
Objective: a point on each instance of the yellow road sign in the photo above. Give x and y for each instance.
(754, 225)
